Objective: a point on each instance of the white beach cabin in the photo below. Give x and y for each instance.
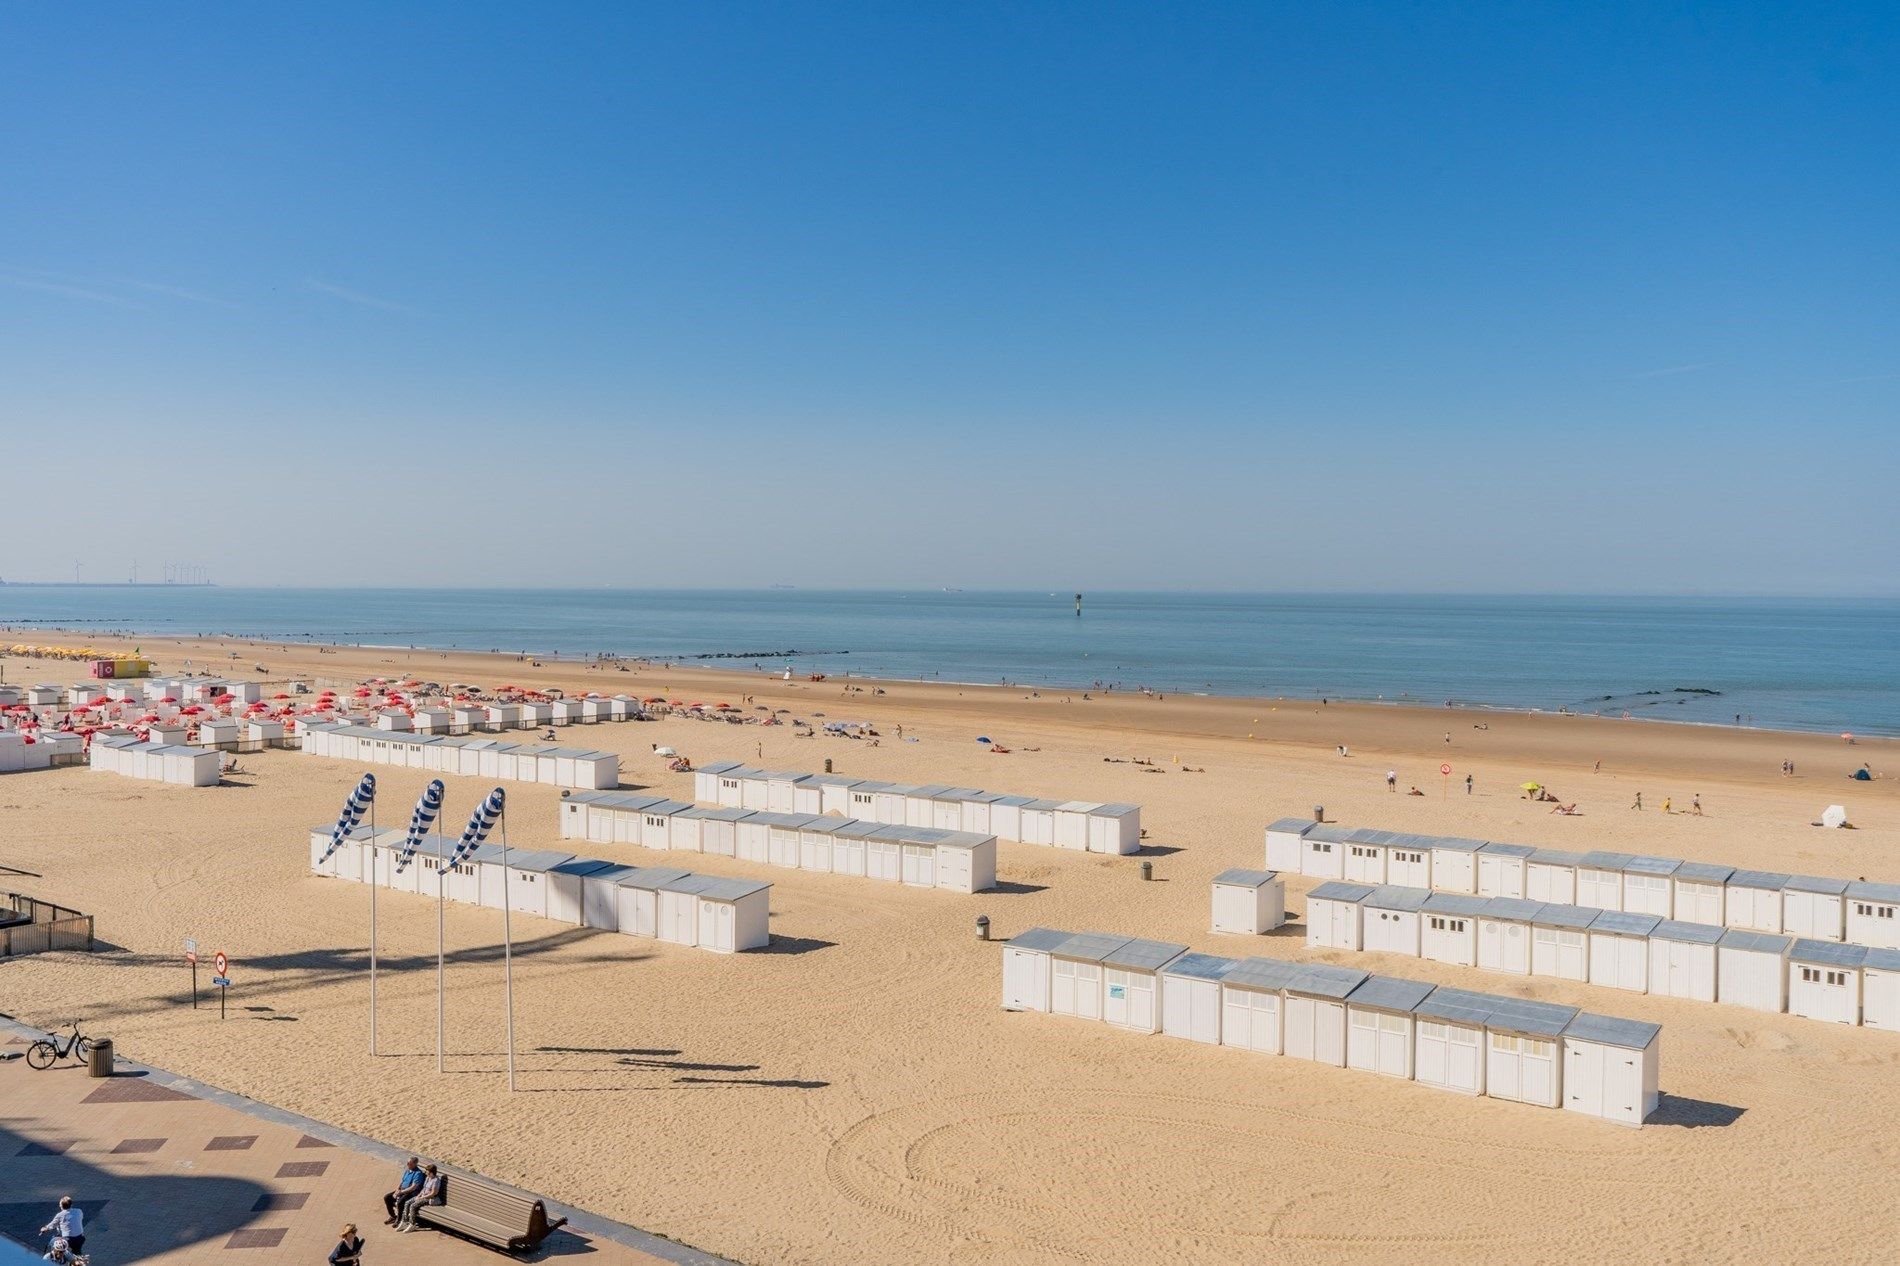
(638, 898)
(528, 881)
(734, 915)
(1824, 979)
(1611, 1068)
(1600, 879)
(1026, 969)
(1873, 914)
(1390, 919)
(1880, 990)
(1700, 890)
(1753, 901)
(1381, 1015)
(1649, 886)
(1075, 974)
(1524, 1052)
(1284, 840)
(1501, 870)
(1449, 1049)
(1131, 983)
(1448, 930)
(678, 908)
(567, 889)
(1334, 913)
(1253, 1004)
(1114, 828)
(1752, 970)
(1365, 856)
(1619, 949)
(1323, 852)
(1504, 933)
(1190, 996)
(1249, 902)
(1682, 960)
(1560, 941)
(1316, 1012)
(1550, 875)
(966, 861)
(1408, 861)
(1814, 908)
(1455, 864)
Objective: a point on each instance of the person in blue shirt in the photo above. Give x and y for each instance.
(408, 1185)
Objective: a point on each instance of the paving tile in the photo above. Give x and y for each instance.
(231, 1143)
(272, 1201)
(258, 1237)
(302, 1169)
(134, 1090)
(309, 1141)
(134, 1147)
(51, 1147)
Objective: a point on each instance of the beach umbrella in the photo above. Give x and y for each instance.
(982, 738)
(1531, 786)
(664, 751)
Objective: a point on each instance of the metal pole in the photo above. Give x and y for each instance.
(372, 927)
(441, 878)
(507, 952)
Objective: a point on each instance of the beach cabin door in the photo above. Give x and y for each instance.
(1448, 1056)
(1025, 980)
(953, 869)
(1250, 1018)
(1500, 876)
(1380, 1043)
(1191, 1009)
(1076, 989)
(1129, 1000)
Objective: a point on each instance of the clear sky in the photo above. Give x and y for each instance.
(1594, 298)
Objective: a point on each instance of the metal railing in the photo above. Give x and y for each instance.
(38, 927)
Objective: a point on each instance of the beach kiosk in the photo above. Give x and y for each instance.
(1682, 960)
(1252, 1008)
(1250, 902)
(1523, 1053)
(1754, 900)
(1814, 908)
(1619, 949)
(1316, 1012)
(733, 915)
(1026, 967)
(1560, 941)
(1600, 879)
(1501, 870)
(1880, 990)
(1333, 915)
(1380, 1018)
(1455, 864)
(1448, 929)
(1824, 979)
(1611, 1068)
(1871, 914)
(1649, 886)
(1752, 970)
(1550, 875)
(1190, 996)
(1323, 854)
(639, 898)
(1284, 841)
(1700, 889)
(1504, 934)
(1075, 974)
(1131, 983)
(1389, 919)
(1448, 1051)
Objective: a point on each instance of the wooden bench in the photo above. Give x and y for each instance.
(489, 1215)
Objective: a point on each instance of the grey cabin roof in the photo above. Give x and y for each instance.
(1537, 1019)
(1555, 857)
(1327, 833)
(1623, 923)
(1114, 810)
(1339, 890)
(537, 859)
(1882, 959)
(1828, 953)
(1246, 878)
(1861, 890)
(1772, 881)
(1140, 955)
(697, 885)
(719, 767)
(1515, 908)
(1369, 835)
(1691, 933)
(1507, 850)
(1455, 903)
(1598, 859)
(1817, 884)
(1754, 942)
(1201, 966)
(1398, 897)
(652, 876)
(580, 867)
(1558, 915)
(1262, 973)
(726, 888)
(1455, 843)
(1044, 939)
(1012, 802)
(1389, 993)
(1297, 826)
(1608, 1030)
(1090, 947)
(1653, 866)
(1321, 980)
(1462, 1006)
(1704, 872)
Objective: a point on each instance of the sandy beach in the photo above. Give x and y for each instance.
(856, 1095)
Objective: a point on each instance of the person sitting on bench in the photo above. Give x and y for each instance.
(429, 1193)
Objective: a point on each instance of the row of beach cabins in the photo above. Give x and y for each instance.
(1804, 906)
(725, 915)
(1535, 1053)
(1084, 826)
(924, 857)
(174, 763)
(44, 750)
(571, 767)
(1822, 980)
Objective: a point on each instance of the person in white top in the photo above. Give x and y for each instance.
(68, 1224)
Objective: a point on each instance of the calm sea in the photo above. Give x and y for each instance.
(1789, 664)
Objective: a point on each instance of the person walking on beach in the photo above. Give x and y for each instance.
(349, 1247)
(1695, 804)
(68, 1224)
(1639, 801)
(1666, 804)
(1392, 780)
(1467, 784)
(406, 1186)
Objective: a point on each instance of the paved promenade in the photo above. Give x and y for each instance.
(172, 1171)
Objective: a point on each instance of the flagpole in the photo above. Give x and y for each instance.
(441, 878)
(372, 927)
(507, 952)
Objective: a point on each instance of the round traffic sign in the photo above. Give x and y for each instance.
(1445, 770)
(219, 961)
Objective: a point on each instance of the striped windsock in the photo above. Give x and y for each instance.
(480, 823)
(353, 810)
(421, 821)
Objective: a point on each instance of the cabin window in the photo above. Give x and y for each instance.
(1837, 978)
(1504, 1042)
(1322, 848)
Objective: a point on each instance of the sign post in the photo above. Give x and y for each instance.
(1445, 786)
(191, 957)
(221, 965)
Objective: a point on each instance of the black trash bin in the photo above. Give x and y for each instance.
(99, 1058)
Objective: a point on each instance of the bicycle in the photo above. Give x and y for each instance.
(48, 1051)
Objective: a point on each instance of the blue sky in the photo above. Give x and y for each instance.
(1414, 297)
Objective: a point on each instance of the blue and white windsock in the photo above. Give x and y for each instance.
(353, 810)
(421, 821)
(480, 823)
